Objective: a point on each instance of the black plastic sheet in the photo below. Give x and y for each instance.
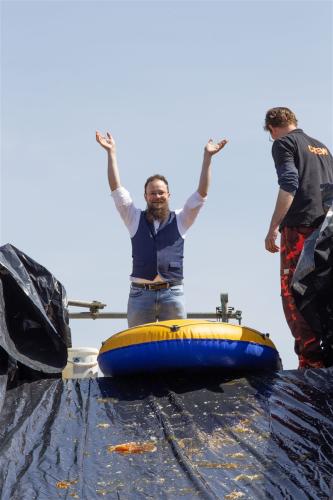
(312, 283)
(34, 330)
(256, 437)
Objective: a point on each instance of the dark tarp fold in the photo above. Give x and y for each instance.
(312, 283)
(34, 325)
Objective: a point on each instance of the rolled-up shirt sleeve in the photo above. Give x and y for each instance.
(187, 215)
(286, 169)
(287, 177)
(127, 210)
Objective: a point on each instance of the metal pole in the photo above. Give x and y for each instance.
(122, 315)
(223, 312)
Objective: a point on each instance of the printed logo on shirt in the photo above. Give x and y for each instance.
(318, 151)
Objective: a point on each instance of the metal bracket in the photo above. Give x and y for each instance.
(94, 306)
(224, 312)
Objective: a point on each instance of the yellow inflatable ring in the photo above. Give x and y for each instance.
(187, 344)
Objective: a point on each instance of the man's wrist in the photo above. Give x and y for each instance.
(112, 154)
(273, 228)
(207, 159)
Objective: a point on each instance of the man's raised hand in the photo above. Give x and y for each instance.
(212, 148)
(107, 142)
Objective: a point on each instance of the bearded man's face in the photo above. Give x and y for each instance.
(157, 197)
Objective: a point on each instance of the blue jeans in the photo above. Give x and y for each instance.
(148, 306)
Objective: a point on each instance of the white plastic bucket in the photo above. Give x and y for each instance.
(81, 363)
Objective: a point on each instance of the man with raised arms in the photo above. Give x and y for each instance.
(157, 236)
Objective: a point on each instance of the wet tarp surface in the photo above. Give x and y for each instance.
(255, 437)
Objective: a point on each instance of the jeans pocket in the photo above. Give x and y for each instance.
(135, 292)
(177, 291)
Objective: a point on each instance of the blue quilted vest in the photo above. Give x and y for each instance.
(160, 252)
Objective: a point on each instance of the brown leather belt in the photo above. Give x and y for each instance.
(156, 286)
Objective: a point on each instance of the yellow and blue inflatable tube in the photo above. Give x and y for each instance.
(187, 344)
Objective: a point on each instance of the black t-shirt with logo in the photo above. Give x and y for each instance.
(314, 164)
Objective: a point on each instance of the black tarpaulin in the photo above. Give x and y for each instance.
(312, 283)
(256, 437)
(34, 331)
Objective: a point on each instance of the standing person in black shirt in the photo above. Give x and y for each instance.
(302, 165)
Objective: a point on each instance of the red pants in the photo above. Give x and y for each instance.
(307, 345)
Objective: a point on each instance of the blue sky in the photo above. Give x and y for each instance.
(163, 77)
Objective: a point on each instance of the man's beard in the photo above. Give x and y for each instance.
(159, 213)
